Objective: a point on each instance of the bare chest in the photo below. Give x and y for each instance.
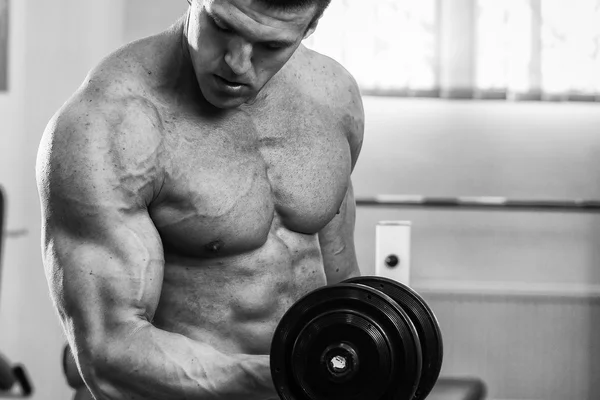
(227, 180)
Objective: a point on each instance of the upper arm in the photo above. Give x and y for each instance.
(354, 118)
(102, 254)
(337, 238)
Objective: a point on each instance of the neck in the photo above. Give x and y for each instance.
(187, 83)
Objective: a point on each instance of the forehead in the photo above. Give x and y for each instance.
(255, 13)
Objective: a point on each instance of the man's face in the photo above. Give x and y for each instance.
(236, 46)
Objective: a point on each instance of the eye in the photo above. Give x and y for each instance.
(219, 27)
(222, 29)
(272, 46)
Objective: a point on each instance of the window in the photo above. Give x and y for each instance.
(388, 45)
(513, 49)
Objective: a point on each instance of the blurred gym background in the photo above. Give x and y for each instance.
(462, 98)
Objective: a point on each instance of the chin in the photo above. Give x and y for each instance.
(226, 103)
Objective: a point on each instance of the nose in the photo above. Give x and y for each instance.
(239, 56)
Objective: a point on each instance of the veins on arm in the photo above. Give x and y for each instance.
(337, 238)
(96, 176)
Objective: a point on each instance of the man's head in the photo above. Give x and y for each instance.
(237, 46)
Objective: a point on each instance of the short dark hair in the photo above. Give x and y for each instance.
(294, 5)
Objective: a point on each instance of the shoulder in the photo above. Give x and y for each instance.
(333, 85)
(104, 132)
(326, 78)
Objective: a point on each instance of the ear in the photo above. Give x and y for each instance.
(311, 29)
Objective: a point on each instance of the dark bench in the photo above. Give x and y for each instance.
(458, 389)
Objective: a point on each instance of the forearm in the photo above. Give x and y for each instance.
(344, 273)
(337, 243)
(154, 364)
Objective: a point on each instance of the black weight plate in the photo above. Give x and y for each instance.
(383, 336)
(364, 335)
(424, 320)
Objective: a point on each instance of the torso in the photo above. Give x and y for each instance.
(241, 203)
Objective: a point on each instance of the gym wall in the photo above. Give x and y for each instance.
(516, 292)
(52, 46)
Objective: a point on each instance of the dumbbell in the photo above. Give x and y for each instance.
(366, 338)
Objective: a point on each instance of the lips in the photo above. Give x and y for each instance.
(228, 82)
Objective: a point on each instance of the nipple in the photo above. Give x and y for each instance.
(214, 247)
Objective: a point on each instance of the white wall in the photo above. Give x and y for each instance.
(11, 125)
(146, 17)
(470, 148)
(523, 346)
(52, 46)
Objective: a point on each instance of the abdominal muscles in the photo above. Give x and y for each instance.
(234, 303)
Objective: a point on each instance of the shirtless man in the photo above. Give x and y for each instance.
(194, 188)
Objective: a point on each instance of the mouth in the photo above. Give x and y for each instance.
(231, 84)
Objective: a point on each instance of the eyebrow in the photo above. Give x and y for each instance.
(277, 42)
